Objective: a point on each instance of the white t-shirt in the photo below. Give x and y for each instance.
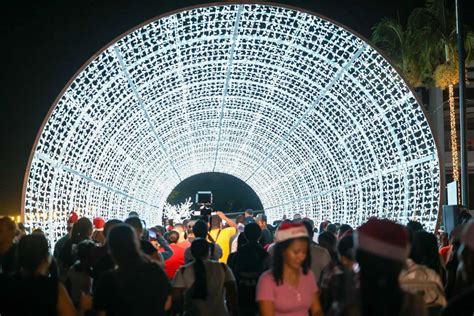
(320, 259)
(216, 275)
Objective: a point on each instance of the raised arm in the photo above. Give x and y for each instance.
(164, 244)
(226, 219)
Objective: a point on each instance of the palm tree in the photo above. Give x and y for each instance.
(426, 53)
(438, 39)
(400, 44)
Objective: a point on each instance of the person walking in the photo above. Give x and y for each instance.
(423, 272)
(79, 277)
(7, 246)
(320, 257)
(173, 263)
(201, 230)
(205, 287)
(382, 248)
(58, 247)
(267, 237)
(250, 261)
(137, 286)
(289, 287)
(81, 230)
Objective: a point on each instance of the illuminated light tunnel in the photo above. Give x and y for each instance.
(312, 117)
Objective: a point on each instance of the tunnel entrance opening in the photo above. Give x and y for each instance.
(230, 194)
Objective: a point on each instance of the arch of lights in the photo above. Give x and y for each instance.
(311, 116)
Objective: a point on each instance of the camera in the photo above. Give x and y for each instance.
(204, 197)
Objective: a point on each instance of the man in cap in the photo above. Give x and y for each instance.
(248, 214)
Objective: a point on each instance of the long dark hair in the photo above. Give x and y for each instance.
(425, 251)
(278, 261)
(81, 230)
(199, 250)
(124, 247)
(109, 224)
(84, 253)
(380, 290)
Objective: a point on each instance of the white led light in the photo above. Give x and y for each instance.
(311, 116)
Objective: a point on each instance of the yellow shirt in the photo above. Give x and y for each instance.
(222, 238)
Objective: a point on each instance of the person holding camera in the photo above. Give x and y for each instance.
(220, 235)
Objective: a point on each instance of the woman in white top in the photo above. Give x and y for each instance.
(199, 286)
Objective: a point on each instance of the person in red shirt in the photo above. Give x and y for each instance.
(173, 263)
(182, 240)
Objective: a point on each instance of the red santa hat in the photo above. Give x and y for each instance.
(99, 223)
(290, 230)
(73, 217)
(467, 236)
(383, 238)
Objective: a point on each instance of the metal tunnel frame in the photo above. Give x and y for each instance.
(305, 111)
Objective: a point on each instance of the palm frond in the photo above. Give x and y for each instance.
(442, 12)
(427, 41)
(401, 47)
(388, 36)
(469, 46)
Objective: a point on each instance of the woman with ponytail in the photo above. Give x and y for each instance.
(81, 230)
(198, 287)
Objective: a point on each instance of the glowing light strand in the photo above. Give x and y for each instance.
(454, 138)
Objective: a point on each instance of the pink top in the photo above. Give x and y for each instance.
(287, 300)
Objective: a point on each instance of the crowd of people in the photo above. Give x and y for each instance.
(216, 266)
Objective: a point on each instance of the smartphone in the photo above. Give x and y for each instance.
(151, 234)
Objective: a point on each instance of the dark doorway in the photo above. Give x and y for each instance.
(230, 194)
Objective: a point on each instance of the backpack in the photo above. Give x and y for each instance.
(249, 266)
(419, 279)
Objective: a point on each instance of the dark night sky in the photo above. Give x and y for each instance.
(44, 44)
